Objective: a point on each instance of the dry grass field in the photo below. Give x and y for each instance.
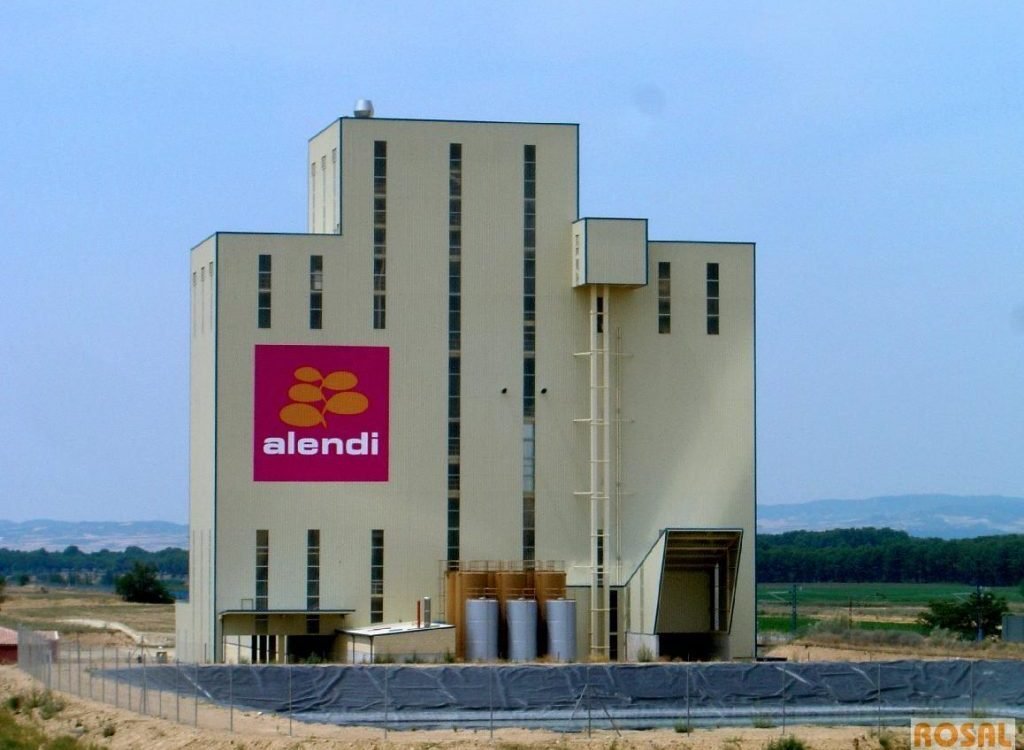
(43, 608)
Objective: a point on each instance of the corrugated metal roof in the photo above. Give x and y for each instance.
(8, 637)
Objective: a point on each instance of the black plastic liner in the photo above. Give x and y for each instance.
(621, 695)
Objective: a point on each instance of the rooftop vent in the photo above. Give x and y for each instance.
(364, 108)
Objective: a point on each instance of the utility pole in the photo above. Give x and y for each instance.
(981, 631)
(792, 602)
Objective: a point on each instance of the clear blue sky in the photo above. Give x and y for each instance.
(873, 150)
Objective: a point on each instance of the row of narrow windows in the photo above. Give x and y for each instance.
(316, 305)
(455, 230)
(262, 570)
(202, 297)
(318, 179)
(711, 291)
(264, 283)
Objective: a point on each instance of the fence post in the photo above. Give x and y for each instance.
(688, 723)
(129, 679)
(385, 702)
(783, 673)
(195, 695)
(89, 656)
(490, 698)
(878, 693)
(231, 699)
(972, 686)
(78, 658)
(177, 690)
(144, 698)
(586, 692)
(289, 700)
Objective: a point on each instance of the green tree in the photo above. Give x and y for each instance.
(982, 612)
(141, 585)
(3, 585)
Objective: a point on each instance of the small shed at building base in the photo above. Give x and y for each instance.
(8, 646)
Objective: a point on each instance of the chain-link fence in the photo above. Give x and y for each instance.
(288, 699)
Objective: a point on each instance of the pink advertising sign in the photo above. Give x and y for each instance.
(320, 413)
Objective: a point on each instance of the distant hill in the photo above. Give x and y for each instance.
(91, 536)
(942, 516)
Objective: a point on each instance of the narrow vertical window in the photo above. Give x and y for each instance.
(316, 291)
(377, 575)
(262, 569)
(529, 349)
(380, 205)
(195, 298)
(323, 194)
(599, 317)
(664, 298)
(312, 197)
(454, 348)
(334, 187)
(263, 301)
(712, 299)
(453, 532)
(312, 580)
(202, 297)
(210, 295)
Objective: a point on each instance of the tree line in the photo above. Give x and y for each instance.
(867, 555)
(73, 566)
(871, 555)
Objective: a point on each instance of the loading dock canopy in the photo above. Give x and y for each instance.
(698, 580)
(228, 612)
(279, 621)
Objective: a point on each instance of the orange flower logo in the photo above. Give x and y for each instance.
(312, 397)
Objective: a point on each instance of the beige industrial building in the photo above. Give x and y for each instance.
(455, 386)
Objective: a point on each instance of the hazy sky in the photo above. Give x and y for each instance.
(874, 151)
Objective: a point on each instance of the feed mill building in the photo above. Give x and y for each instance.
(456, 386)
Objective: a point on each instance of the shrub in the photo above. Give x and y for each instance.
(889, 741)
(982, 610)
(141, 585)
(50, 705)
(786, 743)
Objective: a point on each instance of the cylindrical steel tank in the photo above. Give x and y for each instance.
(561, 618)
(481, 629)
(522, 629)
(548, 584)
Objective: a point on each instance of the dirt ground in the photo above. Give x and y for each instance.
(90, 720)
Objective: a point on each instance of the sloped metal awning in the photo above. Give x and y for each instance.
(712, 551)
